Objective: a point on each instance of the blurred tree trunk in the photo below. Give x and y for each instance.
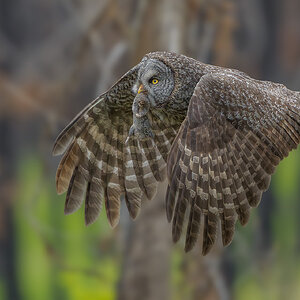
(146, 261)
(146, 269)
(205, 274)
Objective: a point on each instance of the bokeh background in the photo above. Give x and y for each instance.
(55, 57)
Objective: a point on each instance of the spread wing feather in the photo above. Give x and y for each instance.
(236, 131)
(98, 166)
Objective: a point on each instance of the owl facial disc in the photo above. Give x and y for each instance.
(157, 81)
(153, 89)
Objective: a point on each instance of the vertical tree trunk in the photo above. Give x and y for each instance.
(146, 262)
(146, 267)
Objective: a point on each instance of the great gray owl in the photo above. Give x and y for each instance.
(216, 133)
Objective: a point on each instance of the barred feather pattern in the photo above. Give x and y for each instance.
(218, 137)
(236, 132)
(98, 166)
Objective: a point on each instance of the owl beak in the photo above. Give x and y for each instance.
(141, 89)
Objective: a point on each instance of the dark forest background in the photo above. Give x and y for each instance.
(55, 57)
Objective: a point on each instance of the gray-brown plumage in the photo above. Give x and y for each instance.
(216, 133)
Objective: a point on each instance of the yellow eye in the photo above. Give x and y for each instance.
(154, 81)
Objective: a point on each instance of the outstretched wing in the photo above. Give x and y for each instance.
(236, 132)
(97, 165)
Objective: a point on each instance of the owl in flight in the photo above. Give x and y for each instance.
(215, 133)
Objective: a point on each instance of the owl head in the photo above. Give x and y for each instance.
(156, 81)
(164, 81)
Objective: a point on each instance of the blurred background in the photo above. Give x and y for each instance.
(55, 57)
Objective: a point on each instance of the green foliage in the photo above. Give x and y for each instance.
(35, 271)
(180, 290)
(2, 289)
(278, 275)
(286, 191)
(57, 256)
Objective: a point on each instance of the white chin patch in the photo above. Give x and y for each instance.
(135, 88)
